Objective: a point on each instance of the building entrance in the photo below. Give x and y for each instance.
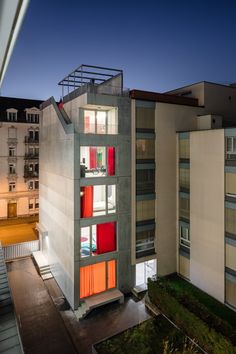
(12, 210)
(144, 271)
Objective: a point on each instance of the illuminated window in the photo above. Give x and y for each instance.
(98, 200)
(96, 278)
(97, 161)
(98, 239)
(100, 122)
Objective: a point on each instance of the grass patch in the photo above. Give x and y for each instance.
(187, 315)
(153, 336)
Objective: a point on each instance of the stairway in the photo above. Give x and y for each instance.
(42, 265)
(45, 272)
(98, 300)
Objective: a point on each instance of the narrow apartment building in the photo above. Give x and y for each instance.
(19, 157)
(85, 184)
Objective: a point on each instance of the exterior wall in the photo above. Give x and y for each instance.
(169, 119)
(56, 200)
(22, 194)
(207, 211)
(220, 100)
(195, 91)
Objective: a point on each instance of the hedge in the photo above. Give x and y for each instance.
(191, 302)
(207, 338)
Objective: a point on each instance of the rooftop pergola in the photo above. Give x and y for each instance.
(88, 74)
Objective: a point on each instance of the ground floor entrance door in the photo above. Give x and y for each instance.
(144, 271)
(12, 210)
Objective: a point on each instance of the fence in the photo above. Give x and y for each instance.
(20, 249)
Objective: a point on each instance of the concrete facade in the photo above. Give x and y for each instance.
(60, 189)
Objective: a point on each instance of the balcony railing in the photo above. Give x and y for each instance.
(31, 174)
(31, 156)
(12, 175)
(12, 141)
(30, 140)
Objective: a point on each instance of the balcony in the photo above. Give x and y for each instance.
(12, 141)
(31, 140)
(12, 176)
(31, 174)
(12, 159)
(31, 156)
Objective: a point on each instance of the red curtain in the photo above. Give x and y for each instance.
(93, 157)
(106, 237)
(111, 161)
(87, 202)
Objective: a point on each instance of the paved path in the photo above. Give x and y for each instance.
(41, 326)
(101, 323)
(11, 234)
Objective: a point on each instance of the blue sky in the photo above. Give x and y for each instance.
(160, 45)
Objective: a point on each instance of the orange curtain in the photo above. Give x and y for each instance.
(111, 274)
(85, 281)
(92, 279)
(99, 277)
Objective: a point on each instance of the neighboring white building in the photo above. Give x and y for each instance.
(19, 157)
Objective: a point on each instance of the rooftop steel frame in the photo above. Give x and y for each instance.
(88, 74)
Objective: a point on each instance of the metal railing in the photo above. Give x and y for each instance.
(30, 174)
(31, 156)
(23, 249)
(29, 140)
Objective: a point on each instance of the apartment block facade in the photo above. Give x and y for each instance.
(19, 157)
(134, 184)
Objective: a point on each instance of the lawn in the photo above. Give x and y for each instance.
(201, 317)
(153, 336)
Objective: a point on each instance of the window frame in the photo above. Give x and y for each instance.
(184, 241)
(107, 125)
(231, 151)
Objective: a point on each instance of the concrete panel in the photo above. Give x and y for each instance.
(124, 232)
(207, 211)
(124, 195)
(123, 156)
(230, 256)
(125, 272)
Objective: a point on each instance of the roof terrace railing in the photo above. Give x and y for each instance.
(94, 79)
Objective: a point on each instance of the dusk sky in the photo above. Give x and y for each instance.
(160, 45)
